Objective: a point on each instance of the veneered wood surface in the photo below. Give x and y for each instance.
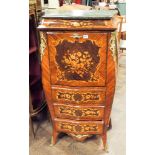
(45, 69)
(110, 85)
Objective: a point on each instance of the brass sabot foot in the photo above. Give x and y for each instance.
(106, 148)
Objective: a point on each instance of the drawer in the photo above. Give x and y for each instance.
(78, 58)
(79, 112)
(79, 95)
(79, 127)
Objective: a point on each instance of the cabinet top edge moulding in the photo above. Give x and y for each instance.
(78, 20)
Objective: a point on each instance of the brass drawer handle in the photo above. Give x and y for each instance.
(76, 36)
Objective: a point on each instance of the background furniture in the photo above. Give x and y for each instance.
(30, 117)
(34, 66)
(120, 23)
(123, 35)
(78, 72)
(122, 8)
(36, 95)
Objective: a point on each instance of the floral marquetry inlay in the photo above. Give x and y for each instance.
(80, 112)
(77, 61)
(78, 127)
(78, 97)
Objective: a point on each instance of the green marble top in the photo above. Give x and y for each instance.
(80, 14)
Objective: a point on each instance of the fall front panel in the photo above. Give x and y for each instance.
(78, 59)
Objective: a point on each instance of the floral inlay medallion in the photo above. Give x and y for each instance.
(77, 61)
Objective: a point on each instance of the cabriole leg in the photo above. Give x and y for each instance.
(54, 137)
(110, 125)
(104, 140)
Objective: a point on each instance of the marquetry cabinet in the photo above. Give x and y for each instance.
(78, 73)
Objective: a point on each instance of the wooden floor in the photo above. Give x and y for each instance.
(93, 146)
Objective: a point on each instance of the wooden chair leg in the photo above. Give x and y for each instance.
(30, 119)
(31, 126)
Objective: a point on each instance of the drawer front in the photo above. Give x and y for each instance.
(79, 96)
(79, 112)
(78, 59)
(79, 127)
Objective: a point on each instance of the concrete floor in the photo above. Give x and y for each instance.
(67, 146)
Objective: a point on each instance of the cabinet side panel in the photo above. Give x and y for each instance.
(45, 66)
(46, 71)
(46, 77)
(110, 82)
